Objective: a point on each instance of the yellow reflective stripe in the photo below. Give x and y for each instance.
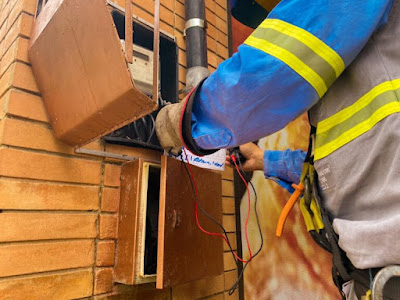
(311, 41)
(356, 131)
(346, 113)
(292, 61)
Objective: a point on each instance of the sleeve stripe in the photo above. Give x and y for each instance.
(311, 41)
(291, 60)
(302, 51)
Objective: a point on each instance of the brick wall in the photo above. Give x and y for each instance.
(58, 210)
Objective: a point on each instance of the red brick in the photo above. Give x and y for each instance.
(103, 281)
(210, 16)
(223, 3)
(110, 200)
(182, 59)
(180, 9)
(25, 195)
(221, 13)
(227, 188)
(24, 164)
(5, 80)
(229, 223)
(232, 240)
(180, 40)
(230, 279)
(46, 226)
(23, 78)
(108, 227)
(60, 285)
(112, 174)
(182, 74)
(222, 37)
(227, 173)
(212, 59)
(27, 6)
(26, 105)
(211, 31)
(33, 136)
(229, 261)
(180, 23)
(17, 259)
(228, 205)
(211, 44)
(17, 51)
(222, 51)
(21, 27)
(105, 253)
(210, 4)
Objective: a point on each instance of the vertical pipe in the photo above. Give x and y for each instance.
(196, 43)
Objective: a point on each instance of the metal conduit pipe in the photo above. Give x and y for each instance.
(196, 43)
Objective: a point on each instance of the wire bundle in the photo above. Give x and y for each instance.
(225, 235)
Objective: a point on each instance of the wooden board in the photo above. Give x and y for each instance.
(81, 71)
(184, 252)
(128, 222)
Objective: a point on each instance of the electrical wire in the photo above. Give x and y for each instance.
(236, 284)
(233, 158)
(224, 236)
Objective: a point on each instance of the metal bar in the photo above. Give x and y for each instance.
(380, 280)
(156, 48)
(128, 31)
(111, 155)
(105, 154)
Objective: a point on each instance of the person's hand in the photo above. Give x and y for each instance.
(254, 157)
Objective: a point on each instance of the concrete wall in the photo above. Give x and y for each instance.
(58, 210)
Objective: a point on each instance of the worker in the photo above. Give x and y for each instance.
(340, 61)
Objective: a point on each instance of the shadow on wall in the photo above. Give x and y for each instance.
(292, 266)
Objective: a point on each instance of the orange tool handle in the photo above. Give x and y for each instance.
(298, 190)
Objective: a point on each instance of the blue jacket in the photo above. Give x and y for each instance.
(282, 69)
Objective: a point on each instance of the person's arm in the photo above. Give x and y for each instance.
(283, 167)
(282, 69)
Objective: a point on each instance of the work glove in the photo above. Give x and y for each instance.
(168, 127)
(174, 127)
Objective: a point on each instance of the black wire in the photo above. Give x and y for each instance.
(205, 213)
(153, 129)
(236, 284)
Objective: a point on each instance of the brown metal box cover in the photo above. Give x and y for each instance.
(184, 252)
(80, 68)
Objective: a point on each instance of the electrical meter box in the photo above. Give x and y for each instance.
(82, 71)
(142, 68)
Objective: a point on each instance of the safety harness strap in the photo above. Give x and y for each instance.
(324, 236)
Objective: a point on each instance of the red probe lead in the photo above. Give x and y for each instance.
(215, 233)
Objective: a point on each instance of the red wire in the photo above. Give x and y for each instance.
(248, 211)
(214, 233)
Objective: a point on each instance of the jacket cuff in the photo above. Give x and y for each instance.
(186, 125)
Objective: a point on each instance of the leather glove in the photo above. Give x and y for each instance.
(168, 127)
(174, 126)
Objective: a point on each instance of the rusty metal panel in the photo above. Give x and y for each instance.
(82, 73)
(184, 252)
